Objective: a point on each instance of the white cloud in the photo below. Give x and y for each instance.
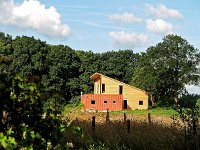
(161, 11)
(32, 14)
(125, 17)
(128, 40)
(159, 26)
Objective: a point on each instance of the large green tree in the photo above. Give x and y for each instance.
(90, 63)
(29, 56)
(166, 68)
(5, 44)
(6, 52)
(5, 77)
(119, 64)
(62, 75)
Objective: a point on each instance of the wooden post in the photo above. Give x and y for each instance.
(107, 116)
(128, 126)
(124, 117)
(93, 124)
(149, 118)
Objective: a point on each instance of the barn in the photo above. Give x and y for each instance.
(112, 94)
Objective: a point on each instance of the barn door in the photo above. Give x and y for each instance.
(125, 104)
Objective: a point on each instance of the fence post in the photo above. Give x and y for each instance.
(93, 124)
(149, 118)
(128, 126)
(107, 116)
(124, 117)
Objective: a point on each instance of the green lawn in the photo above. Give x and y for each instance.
(159, 111)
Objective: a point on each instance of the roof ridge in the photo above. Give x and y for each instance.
(118, 81)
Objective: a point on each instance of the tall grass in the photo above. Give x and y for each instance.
(114, 135)
(165, 132)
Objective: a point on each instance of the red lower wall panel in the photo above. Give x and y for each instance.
(102, 102)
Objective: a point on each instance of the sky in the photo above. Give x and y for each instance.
(103, 25)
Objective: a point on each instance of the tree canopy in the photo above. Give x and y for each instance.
(119, 64)
(29, 56)
(62, 73)
(166, 68)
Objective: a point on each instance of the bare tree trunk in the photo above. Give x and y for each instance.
(153, 101)
(176, 97)
(176, 100)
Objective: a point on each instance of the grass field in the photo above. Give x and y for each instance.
(162, 133)
(159, 111)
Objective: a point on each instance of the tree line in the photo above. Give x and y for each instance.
(62, 72)
(59, 70)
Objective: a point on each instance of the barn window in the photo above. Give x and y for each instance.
(92, 101)
(103, 88)
(114, 102)
(105, 101)
(120, 89)
(140, 102)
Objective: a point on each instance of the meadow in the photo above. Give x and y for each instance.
(164, 131)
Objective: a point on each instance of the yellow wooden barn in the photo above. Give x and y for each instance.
(131, 97)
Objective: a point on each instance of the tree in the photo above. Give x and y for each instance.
(188, 100)
(90, 63)
(166, 68)
(6, 59)
(62, 75)
(29, 56)
(6, 52)
(119, 64)
(24, 123)
(5, 44)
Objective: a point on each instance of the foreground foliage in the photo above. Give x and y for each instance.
(24, 123)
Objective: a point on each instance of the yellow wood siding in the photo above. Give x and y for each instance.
(131, 94)
(97, 84)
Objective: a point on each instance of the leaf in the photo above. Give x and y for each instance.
(30, 147)
(78, 130)
(12, 140)
(4, 144)
(32, 133)
(13, 95)
(1, 135)
(21, 85)
(38, 135)
(9, 132)
(25, 134)
(62, 128)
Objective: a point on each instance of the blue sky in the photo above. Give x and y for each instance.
(102, 25)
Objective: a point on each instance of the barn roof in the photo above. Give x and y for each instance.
(97, 75)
